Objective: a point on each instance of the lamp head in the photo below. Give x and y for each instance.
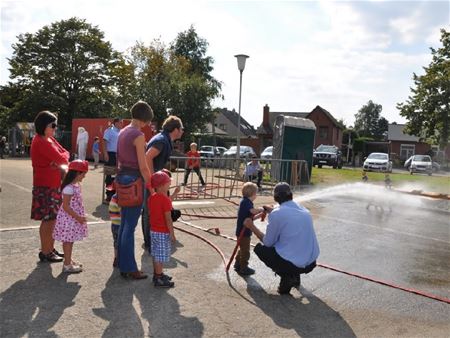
(241, 61)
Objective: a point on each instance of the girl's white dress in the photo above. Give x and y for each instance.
(67, 229)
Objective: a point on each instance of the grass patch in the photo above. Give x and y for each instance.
(329, 177)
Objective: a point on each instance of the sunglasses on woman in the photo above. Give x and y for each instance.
(52, 125)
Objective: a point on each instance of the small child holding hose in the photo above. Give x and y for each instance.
(246, 210)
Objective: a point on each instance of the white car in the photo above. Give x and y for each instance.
(421, 163)
(267, 153)
(378, 162)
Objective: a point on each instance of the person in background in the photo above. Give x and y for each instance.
(131, 166)
(49, 160)
(289, 247)
(254, 171)
(110, 137)
(71, 223)
(387, 181)
(364, 177)
(114, 216)
(159, 149)
(193, 163)
(82, 142)
(2, 146)
(96, 151)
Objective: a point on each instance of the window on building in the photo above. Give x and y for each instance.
(223, 126)
(323, 132)
(407, 150)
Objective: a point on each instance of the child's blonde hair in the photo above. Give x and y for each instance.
(249, 189)
(193, 144)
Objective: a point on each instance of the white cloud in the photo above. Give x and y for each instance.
(335, 54)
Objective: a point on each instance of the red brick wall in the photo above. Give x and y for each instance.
(420, 148)
(252, 142)
(334, 136)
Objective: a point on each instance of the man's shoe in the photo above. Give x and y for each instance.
(246, 272)
(296, 281)
(285, 285)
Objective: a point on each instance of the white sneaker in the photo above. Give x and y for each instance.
(72, 268)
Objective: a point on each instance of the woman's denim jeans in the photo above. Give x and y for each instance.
(129, 220)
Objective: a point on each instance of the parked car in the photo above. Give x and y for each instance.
(378, 162)
(245, 151)
(436, 166)
(267, 153)
(211, 151)
(327, 155)
(421, 163)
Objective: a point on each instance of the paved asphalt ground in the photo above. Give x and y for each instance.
(363, 229)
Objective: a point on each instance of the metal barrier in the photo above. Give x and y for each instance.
(224, 177)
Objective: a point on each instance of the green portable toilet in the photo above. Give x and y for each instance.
(293, 139)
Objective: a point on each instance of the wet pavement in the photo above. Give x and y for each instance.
(398, 238)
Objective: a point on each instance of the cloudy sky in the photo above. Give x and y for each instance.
(338, 55)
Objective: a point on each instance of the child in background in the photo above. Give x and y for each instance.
(193, 163)
(364, 177)
(114, 216)
(71, 223)
(161, 228)
(387, 181)
(246, 210)
(96, 151)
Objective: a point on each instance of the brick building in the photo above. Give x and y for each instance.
(328, 129)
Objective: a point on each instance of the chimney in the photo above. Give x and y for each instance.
(266, 110)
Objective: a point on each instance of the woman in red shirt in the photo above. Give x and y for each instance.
(49, 159)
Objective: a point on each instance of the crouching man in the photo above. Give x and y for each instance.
(289, 246)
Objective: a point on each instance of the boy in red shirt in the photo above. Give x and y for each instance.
(161, 228)
(193, 163)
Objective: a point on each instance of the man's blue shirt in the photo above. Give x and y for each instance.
(290, 230)
(111, 136)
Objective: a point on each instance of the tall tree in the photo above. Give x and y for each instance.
(368, 122)
(428, 108)
(202, 87)
(66, 67)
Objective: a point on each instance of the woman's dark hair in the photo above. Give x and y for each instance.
(171, 123)
(69, 177)
(142, 111)
(42, 120)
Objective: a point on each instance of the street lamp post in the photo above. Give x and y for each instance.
(241, 58)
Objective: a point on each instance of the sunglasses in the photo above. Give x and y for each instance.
(52, 125)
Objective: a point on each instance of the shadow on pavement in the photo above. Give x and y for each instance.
(101, 211)
(308, 316)
(42, 298)
(158, 307)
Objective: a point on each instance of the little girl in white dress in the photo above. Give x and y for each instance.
(71, 223)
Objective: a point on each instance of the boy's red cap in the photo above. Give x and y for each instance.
(159, 178)
(79, 165)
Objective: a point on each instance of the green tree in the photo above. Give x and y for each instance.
(368, 122)
(202, 87)
(176, 79)
(65, 67)
(428, 108)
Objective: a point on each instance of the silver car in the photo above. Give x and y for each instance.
(421, 164)
(378, 162)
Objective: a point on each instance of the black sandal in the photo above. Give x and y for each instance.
(134, 275)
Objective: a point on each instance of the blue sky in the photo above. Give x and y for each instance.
(338, 55)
